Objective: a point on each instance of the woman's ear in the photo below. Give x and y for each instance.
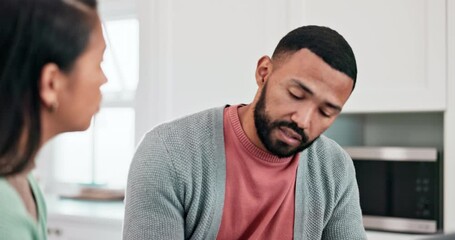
(49, 86)
(263, 70)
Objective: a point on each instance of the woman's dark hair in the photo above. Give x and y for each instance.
(324, 42)
(34, 33)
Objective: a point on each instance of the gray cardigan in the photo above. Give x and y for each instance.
(177, 178)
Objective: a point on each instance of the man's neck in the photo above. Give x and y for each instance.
(246, 115)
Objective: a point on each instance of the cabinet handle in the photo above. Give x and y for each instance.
(54, 231)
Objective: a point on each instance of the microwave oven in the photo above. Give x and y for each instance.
(400, 188)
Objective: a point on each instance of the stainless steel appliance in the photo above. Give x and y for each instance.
(400, 188)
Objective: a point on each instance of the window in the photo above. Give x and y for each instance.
(101, 155)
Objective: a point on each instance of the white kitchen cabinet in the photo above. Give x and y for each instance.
(449, 126)
(400, 48)
(84, 220)
(79, 228)
(200, 54)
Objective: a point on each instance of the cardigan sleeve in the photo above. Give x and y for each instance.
(153, 208)
(346, 219)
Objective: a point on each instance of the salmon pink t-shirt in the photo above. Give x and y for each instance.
(259, 196)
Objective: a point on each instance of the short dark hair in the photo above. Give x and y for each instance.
(34, 33)
(324, 42)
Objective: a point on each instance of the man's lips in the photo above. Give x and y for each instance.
(291, 133)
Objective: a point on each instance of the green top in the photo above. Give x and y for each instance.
(15, 221)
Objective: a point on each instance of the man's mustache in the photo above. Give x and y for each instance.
(293, 126)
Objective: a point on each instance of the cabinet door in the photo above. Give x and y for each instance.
(449, 126)
(400, 48)
(74, 228)
(202, 53)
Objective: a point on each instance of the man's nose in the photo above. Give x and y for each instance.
(303, 117)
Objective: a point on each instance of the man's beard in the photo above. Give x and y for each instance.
(265, 127)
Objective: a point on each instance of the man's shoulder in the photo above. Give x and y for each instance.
(328, 156)
(325, 147)
(195, 125)
(187, 146)
(192, 133)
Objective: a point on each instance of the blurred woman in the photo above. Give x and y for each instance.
(50, 78)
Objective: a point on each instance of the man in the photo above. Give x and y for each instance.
(256, 171)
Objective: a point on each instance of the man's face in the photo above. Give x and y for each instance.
(300, 98)
(265, 127)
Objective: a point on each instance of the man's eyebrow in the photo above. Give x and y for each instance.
(307, 89)
(331, 105)
(303, 86)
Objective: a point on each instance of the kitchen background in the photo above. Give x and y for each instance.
(169, 58)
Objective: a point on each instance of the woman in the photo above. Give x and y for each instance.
(50, 78)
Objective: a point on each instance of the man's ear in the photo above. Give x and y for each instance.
(263, 70)
(50, 81)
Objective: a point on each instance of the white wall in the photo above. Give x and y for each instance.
(201, 54)
(449, 125)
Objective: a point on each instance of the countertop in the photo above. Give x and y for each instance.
(112, 213)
